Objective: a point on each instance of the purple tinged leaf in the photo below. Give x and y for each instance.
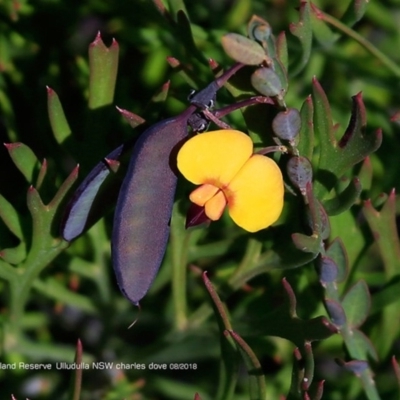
(318, 391)
(300, 173)
(287, 124)
(336, 312)
(112, 164)
(396, 369)
(328, 270)
(355, 366)
(242, 49)
(291, 297)
(267, 82)
(162, 95)
(337, 252)
(356, 304)
(308, 367)
(77, 381)
(133, 119)
(223, 319)
(257, 380)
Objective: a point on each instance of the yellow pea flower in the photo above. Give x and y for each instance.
(223, 163)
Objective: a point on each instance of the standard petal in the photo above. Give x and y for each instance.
(255, 195)
(214, 157)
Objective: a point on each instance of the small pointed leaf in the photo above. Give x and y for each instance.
(242, 49)
(299, 170)
(336, 312)
(133, 119)
(337, 252)
(286, 124)
(344, 200)
(328, 270)
(267, 82)
(303, 31)
(24, 159)
(305, 140)
(355, 366)
(58, 121)
(103, 62)
(10, 217)
(308, 244)
(14, 255)
(356, 304)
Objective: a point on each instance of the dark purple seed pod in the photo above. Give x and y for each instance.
(80, 213)
(287, 124)
(142, 216)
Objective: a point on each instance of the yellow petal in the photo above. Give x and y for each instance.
(214, 157)
(215, 206)
(202, 194)
(255, 195)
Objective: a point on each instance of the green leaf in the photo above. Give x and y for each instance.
(267, 82)
(308, 244)
(14, 255)
(10, 217)
(242, 49)
(337, 252)
(344, 200)
(103, 63)
(305, 139)
(364, 345)
(356, 304)
(355, 11)
(24, 159)
(303, 31)
(257, 380)
(384, 229)
(58, 121)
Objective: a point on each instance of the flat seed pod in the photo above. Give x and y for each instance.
(142, 216)
(79, 212)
